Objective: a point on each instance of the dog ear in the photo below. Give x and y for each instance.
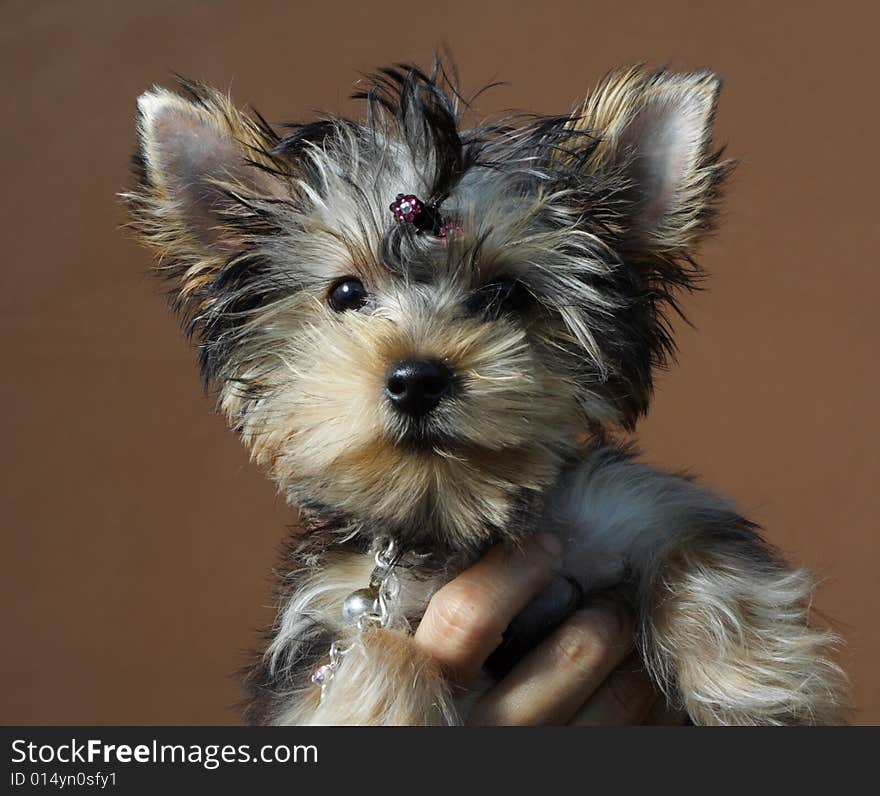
(644, 142)
(201, 165)
(653, 136)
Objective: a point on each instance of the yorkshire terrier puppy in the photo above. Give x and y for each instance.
(428, 329)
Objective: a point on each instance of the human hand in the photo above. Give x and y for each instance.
(582, 673)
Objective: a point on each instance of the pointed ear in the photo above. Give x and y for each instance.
(200, 161)
(654, 133)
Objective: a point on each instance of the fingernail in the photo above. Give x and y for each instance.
(533, 624)
(550, 544)
(548, 609)
(577, 593)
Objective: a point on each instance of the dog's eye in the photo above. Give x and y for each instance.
(347, 294)
(499, 297)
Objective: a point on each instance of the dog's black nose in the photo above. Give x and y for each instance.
(416, 386)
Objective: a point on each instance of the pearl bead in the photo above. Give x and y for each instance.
(360, 603)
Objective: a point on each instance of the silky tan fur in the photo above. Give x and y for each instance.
(594, 216)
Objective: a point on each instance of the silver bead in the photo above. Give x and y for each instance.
(363, 602)
(323, 674)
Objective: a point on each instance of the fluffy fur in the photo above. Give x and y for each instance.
(591, 219)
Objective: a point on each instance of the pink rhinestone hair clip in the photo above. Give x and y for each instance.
(407, 207)
(424, 217)
(450, 229)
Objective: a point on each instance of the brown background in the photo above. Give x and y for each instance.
(138, 539)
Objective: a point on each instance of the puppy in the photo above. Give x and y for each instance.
(428, 330)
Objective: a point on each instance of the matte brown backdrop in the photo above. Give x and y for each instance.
(138, 539)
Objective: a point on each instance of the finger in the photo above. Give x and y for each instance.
(626, 697)
(533, 624)
(556, 678)
(662, 714)
(465, 619)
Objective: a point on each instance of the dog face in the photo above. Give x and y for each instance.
(411, 321)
